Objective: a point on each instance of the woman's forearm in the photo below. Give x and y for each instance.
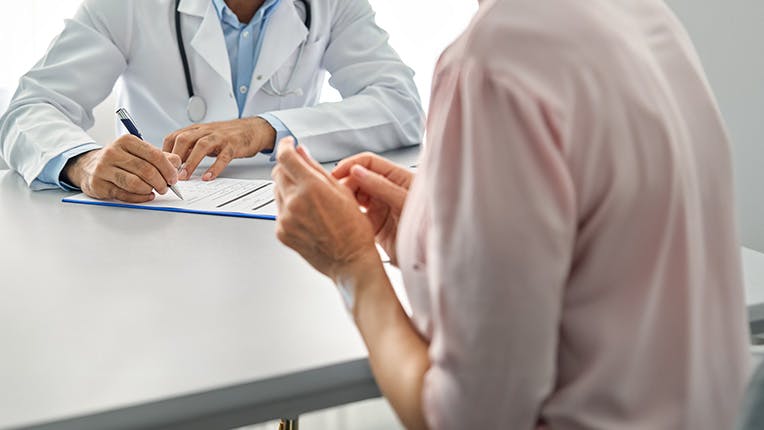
(397, 354)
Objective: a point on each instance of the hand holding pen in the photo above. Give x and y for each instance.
(129, 124)
(127, 170)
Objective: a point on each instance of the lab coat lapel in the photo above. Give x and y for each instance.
(283, 35)
(208, 41)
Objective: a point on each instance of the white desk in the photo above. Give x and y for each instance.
(115, 318)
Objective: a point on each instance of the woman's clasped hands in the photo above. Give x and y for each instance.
(333, 219)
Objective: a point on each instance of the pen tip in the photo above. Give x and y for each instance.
(177, 192)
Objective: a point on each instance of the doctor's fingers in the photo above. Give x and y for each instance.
(153, 156)
(100, 188)
(169, 141)
(207, 145)
(173, 159)
(124, 196)
(140, 169)
(224, 157)
(187, 140)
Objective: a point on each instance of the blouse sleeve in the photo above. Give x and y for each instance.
(498, 251)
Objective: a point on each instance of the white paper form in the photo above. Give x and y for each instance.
(223, 196)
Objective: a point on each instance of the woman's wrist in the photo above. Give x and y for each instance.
(356, 279)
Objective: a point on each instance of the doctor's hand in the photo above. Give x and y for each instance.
(319, 217)
(380, 187)
(128, 170)
(226, 140)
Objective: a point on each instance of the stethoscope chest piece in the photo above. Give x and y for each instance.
(197, 109)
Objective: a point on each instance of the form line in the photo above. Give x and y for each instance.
(243, 195)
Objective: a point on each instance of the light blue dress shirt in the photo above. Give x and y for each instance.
(243, 42)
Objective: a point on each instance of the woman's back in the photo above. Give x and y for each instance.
(590, 128)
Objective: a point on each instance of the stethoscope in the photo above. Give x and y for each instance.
(197, 106)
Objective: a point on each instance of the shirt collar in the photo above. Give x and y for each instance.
(226, 15)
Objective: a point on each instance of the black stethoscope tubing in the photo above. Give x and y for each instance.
(182, 49)
(187, 69)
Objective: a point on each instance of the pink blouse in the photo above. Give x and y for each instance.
(569, 244)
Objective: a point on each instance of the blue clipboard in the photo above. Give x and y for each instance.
(168, 209)
(242, 198)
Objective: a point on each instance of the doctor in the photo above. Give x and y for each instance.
(230, 77)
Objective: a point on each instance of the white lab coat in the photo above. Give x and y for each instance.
(132, 43)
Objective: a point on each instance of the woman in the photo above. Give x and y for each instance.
(568, 244)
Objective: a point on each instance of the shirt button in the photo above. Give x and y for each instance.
(245, 34)
(243, 89)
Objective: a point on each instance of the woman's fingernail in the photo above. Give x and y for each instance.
(359, 171)
(151, 197)
(207, 176)
(183, 174)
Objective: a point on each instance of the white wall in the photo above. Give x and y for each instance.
(729, 35)
(26, 29)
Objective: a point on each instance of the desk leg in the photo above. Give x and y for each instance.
(289, 424)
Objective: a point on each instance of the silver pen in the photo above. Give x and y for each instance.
(129, 124)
